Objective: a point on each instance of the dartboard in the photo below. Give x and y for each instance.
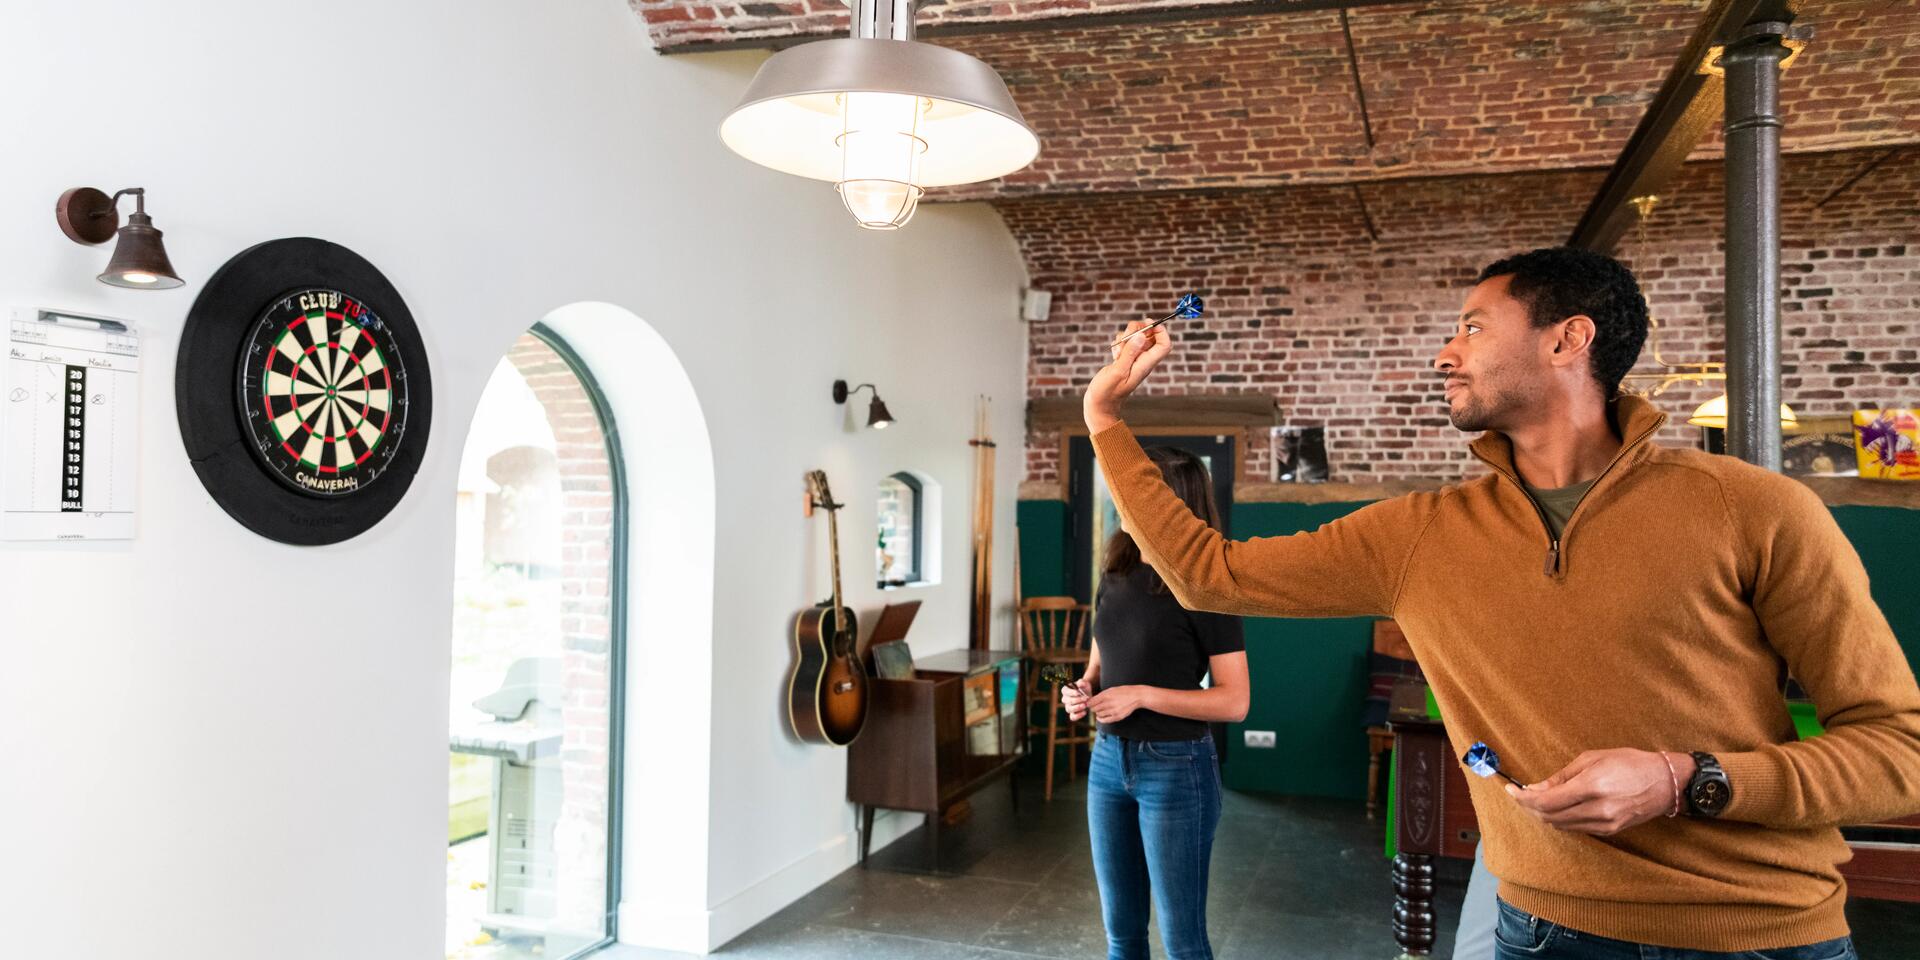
(303, 391)
(323, 384)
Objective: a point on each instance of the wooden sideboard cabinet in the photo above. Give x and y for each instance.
(933, 740)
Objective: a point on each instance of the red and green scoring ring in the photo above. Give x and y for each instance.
(338, 370)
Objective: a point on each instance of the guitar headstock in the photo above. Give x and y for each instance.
(817, 489)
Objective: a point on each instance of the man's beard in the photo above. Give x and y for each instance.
(1488, 403)
(1472, 416)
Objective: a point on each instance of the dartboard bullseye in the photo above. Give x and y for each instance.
(324, 387)
(304, 394)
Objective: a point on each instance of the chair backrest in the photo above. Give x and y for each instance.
(1054, 623)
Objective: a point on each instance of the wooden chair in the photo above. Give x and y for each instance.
(1054, 630)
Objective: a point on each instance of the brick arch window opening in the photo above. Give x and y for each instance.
(535, 667)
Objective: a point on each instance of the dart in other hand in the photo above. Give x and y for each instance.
(1482, 760)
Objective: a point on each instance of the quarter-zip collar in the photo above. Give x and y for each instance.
(1636, 419)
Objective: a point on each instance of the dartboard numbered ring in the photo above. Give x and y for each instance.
(303, 391)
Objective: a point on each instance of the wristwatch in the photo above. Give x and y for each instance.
(1709, 792)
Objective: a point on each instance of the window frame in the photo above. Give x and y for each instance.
(617, 614)
(917, 571)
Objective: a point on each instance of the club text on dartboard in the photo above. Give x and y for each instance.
(331, 300)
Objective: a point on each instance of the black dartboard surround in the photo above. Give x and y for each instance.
(303, 391)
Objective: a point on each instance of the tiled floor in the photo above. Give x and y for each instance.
(1292, 878)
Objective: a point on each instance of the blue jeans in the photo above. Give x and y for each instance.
(1152, 806)
(1520, 935)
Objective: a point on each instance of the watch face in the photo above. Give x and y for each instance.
(322, 384)
(1710, 796)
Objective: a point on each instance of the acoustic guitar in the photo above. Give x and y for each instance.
(827, 691)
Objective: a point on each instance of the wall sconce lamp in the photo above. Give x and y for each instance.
(90, 217)
(877, 415)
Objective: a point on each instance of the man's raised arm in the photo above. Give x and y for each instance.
(1350, 567)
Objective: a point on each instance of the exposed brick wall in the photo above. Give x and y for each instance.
(1481, 87)
(586, 527)
(1341, 328)
(1857, 83)
(1476, 87)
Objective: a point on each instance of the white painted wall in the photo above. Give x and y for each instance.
(220, 747)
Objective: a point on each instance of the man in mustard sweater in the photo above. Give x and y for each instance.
(1632, 674)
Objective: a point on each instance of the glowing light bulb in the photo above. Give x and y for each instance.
(880, 150)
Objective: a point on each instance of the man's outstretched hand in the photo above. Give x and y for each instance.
(1132, 361)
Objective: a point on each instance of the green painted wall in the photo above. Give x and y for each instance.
(1309, 675)
(1308, 679)
(1043, 548)
(1888, 539)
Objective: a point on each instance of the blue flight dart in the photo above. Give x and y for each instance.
(1482, 760)
(1189, 307)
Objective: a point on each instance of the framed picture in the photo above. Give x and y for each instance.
(1820, 446)
(1299, 454)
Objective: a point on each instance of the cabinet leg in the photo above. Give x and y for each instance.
(933, 842)
(1413, 921)
(866, 833)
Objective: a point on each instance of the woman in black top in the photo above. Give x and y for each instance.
(1153, 790)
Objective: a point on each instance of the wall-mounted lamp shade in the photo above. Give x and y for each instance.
(882, 119)
(877, 415)
(1713, 413)
(139, 259)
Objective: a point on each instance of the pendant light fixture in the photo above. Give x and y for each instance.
(1713, 413)
(881, 116)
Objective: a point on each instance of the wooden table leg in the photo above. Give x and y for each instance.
(1413, 923)
(1420, 761)
(1373, 781)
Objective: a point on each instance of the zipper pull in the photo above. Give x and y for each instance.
(1553, 558)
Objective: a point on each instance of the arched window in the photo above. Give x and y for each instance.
(537, 651)
(907, 513)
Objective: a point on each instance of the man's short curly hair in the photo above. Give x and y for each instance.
(1560, 282)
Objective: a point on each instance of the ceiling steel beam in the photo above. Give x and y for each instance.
(971, 27)
(1689, 102)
